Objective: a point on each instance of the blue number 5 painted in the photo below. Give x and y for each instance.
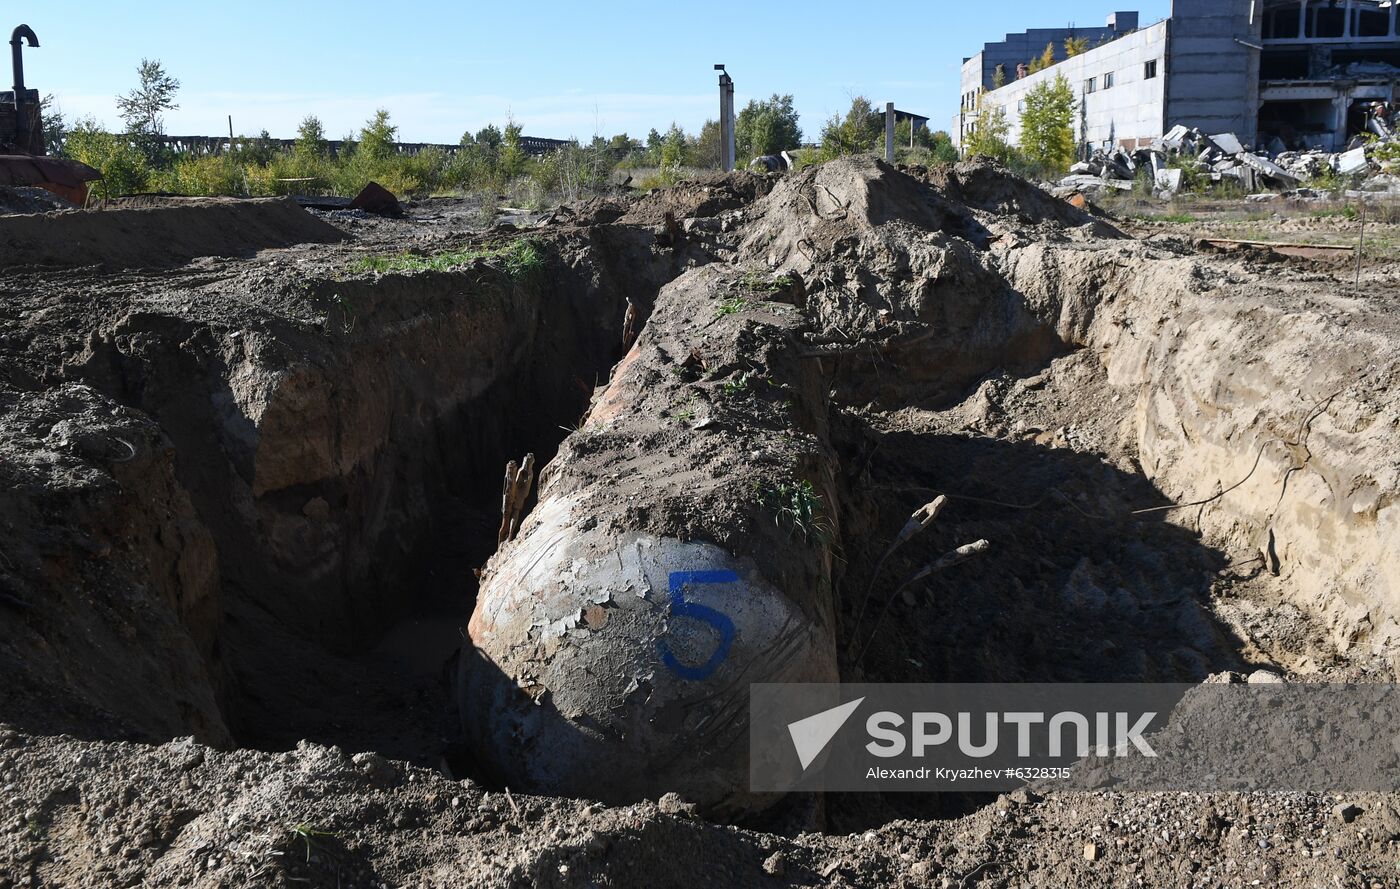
(681, 608)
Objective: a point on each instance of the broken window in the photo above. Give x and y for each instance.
(1282, 24)
(1108, 80)
(1372, 23)
(1327, 22)
(1149, 70)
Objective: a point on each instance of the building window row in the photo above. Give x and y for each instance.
(1149, 71)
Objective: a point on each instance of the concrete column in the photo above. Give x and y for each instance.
(729, 106)
(1340, 106)
(1393, 32)
(889, 132)
(726, 120)
(1347, 29)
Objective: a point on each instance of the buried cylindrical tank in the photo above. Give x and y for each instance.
(679, 552)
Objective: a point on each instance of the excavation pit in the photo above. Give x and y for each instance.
(246, 495)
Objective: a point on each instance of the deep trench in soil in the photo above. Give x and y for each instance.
(385, 685)
(1028, 614)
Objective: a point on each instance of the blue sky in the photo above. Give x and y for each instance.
(563, 69)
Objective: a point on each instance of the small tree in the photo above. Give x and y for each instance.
(707, 146)
(766, 127)
(622, 145)
(311, 137)
(675, 149)
(857, 133)
(124, 169)
(999, 77)
(489, 138)
(942, 148)
(1046, 59)
(989, 131)
(1076, 46)
(512, 159)
(1047, 125)
(654, 141)
(259, 151)
(377, 137)
(143, 108)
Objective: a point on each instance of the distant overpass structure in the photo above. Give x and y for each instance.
(198, 145)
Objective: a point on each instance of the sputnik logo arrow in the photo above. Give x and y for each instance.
(811, 735)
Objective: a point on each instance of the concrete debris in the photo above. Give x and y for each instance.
(1228, 143)
(1169, 180)
(1225, 157)
(1352, 162)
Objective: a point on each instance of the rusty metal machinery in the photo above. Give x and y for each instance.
(22, 148)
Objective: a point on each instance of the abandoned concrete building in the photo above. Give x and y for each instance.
(1276, 73)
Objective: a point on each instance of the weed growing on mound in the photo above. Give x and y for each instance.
(523, 261)
(798, 506)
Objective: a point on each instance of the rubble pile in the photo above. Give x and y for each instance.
(1222, 157)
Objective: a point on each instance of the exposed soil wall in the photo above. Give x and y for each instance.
(159, 236)
(1294, 403)
(300, 439)
(109, 580)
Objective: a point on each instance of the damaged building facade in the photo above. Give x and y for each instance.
(1286, 74)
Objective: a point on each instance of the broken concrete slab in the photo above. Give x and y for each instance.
(1176, 135)
(1228, 143)
(1169, 180)
(1353, 162)
(1269, 169)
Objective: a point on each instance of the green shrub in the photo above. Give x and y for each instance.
(203, 175)
(987, 135)
(491, 162)
(861, 131)
(124, 167)
(1387, 155)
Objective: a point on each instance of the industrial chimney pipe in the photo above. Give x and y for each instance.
(17, 38)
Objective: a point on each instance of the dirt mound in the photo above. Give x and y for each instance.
(983, 184)
(158, 237)
(697, 198)
(30, 200)
(108, 581)
(897, 272)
